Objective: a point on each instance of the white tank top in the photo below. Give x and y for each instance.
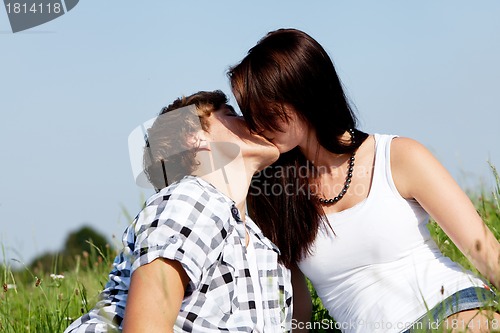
(381, 270)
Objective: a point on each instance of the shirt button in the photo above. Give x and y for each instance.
(236, 213)
(173, 239)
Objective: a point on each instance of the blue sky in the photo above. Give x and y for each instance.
(73, 89)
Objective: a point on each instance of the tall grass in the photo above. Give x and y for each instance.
(49, 300)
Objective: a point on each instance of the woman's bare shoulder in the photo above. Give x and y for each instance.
(410, 160)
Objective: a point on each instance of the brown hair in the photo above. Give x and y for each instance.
(168, 146)
(289, 68)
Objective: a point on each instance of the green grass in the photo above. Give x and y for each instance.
(40, 302)
(48, 301)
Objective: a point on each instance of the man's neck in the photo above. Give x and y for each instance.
(233, 179)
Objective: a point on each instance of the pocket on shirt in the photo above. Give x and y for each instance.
(221, 284)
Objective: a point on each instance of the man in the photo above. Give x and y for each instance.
(192, 260)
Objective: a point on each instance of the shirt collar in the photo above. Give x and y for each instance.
(253, 228)
(258, 233)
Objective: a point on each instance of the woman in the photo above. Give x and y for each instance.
(350, 209)
(191, 260)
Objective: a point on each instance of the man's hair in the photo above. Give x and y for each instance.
(169, 155)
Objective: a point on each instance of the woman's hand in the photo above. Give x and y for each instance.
(418, 175)
(155, 296)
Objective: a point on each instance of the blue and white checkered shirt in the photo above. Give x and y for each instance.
(192, 222)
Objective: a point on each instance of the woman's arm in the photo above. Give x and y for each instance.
(418, 175)
(302, 304)
(155, 296)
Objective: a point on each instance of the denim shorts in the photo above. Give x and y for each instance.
(466, 299)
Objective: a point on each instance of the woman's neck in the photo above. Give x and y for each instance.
(319, 155)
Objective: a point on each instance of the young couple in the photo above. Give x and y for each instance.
(194, 261)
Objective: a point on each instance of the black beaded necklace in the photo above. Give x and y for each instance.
(350, 168)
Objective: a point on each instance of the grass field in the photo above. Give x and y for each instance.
(44, 300)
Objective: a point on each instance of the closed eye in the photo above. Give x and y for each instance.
(231, 112)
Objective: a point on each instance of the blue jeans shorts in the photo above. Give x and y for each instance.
(466, 299)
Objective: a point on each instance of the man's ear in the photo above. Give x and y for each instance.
(198, 140)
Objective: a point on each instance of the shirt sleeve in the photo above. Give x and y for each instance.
(187, 224)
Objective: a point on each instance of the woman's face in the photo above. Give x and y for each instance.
(293, 132)
(226, 126)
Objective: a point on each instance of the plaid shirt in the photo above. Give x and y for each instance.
(192, 222)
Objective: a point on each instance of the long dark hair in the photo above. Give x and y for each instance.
(289, 68)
